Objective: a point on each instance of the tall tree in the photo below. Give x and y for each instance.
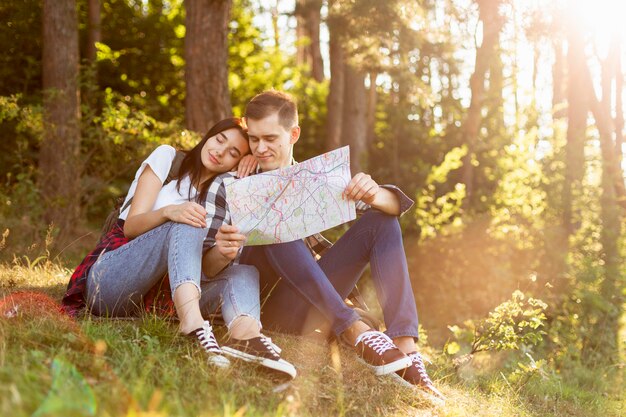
(94, 31)
(372, 99)
(354, 123)
(577, 110)
(206, 72)
(60, 149)
(558, 79)
(604, 341)
(619, 108)
(308, 33)
(337, 80)
(492, 23)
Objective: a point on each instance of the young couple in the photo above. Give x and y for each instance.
(165, 230)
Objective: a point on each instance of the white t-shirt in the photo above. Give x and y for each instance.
(160, 161)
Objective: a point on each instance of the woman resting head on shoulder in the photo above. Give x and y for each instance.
(219, 151)
(170, 228)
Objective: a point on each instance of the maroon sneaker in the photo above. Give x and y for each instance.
(415, 376)
(378, 352)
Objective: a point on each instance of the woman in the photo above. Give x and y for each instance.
(164, 230)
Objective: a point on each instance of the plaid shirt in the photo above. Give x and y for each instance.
(158, 299)
(318, 244)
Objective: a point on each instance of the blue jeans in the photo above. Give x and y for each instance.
(120, 278)
(309, 294)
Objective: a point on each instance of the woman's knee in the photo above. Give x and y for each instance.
(244, 274)
(188, 230)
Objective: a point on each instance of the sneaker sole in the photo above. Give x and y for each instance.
(425, 394)
(219, 361)
(388, 368)
(280, 365)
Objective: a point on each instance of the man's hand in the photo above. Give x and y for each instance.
(228, 241)
(247, 165)
(361, 187)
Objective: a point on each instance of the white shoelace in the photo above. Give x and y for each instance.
(270, 345)
(207, 339)
(418, 362)
(378, 341)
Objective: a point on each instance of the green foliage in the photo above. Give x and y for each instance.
(20, 208)
(519, 201)
(115, 142)
(20, 41)
(516, 322)
(141, 53)
(433, 212)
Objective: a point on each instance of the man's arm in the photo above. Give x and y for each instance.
(386, 198)
(386, 201)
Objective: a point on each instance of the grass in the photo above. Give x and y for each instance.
(51, 365)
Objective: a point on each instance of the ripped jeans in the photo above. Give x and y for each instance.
(119, 279)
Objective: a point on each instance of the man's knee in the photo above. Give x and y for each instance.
(382, 220)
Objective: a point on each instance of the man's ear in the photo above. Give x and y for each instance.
(294, 135)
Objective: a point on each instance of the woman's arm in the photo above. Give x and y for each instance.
(246, 166)
(142, 218)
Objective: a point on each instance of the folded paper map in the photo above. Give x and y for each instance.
(292, 203)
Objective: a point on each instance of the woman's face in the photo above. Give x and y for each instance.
(222, 152)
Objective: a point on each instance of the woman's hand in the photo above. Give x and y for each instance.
(247, 165)
(189, 213)
(228, 241)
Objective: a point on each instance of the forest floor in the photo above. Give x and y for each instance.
(51, 365)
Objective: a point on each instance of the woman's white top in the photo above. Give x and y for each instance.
(160, 161)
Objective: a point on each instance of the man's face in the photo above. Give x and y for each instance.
(270, 142)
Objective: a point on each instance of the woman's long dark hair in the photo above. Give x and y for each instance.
(192, 162)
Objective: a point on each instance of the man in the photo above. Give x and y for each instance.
(306, 293)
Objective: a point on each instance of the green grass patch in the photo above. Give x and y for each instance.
(51, 365)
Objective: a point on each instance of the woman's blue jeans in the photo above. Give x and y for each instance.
(310, 294)
(119, 279)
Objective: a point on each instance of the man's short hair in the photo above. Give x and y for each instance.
(272, 101)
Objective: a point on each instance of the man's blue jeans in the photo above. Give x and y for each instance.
(310, 294)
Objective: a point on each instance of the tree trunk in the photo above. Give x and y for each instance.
(605, 340)
(558, 77)
(90, 73)
(274, 14)
(206, 55)
(308, 34)
(577, 110)
(334, 105)
(94, 33)
(59, 156)
(619, 110)
(371, 110)
(492, 23)
(354, 125)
